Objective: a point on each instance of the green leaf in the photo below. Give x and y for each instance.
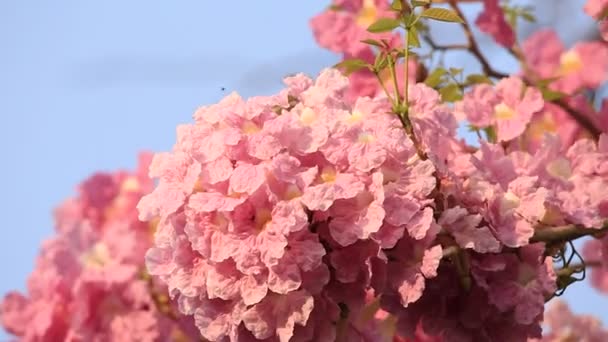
(396, 5)
(477, 79)
(418, 3)
(451, 93)
(381, 62)
(490, 133)
(384, 25)
(527, 16)
(412, 37)
(372, 42)
(435, 78)
(551, 95)
(456, 71)
(441, 14)
(351, 65)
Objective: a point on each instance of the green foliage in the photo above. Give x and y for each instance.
(435, 78)
(351, 65)
(551, 95)
(513, 13)
(412, 36)
(441, 14)
(473, 79)
(384, 25)
(418, 3)
(396, 5)
(451, 92)
(381, 61)
(373, 42)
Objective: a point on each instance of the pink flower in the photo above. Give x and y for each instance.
(596, 8)
(342, 28)
(88, 282)
(466, 231)
(509, 106)
(582, 66)
(513, 213)
(492, 21)
(564, 324)
(518, 283)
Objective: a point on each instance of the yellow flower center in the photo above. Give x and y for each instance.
(503, 112)
(570, 62)
(292, 192)
(508, 203)
(96, 257)
(355, 117)
(539, 127)
(559, 168)
(308, 116)
(262, 217)
(249, 127)
(365, 137)
(328, 174)
(368, 14)
(131, 184)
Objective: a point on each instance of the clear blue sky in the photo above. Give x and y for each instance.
(86, 85)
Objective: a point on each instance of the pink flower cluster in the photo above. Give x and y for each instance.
(583, 66)
(278, 218)
(89, 282)
(343, 27)
(268, 220)
(492, 21)
(563, 325)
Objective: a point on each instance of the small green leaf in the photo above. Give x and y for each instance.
(351, 65)
(451, 93)
(401, 54)
(396, 5)
(372, 42)
(435, 78)
(335, 8)
(381, 62)
(412, 37)
(442, 14)
(384, 25)
(490, 133)
(456, 71)
(551, 95)
(529, 17)
(418, 3)
(477, 79)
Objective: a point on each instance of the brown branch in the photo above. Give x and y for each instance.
(565, 233)
(473, 47)
(570, 270)
(581, 119)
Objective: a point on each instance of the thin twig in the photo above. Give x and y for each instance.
(473, 47)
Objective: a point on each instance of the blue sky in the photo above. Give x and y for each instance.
(86, 85)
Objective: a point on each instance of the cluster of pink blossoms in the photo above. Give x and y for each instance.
(89, 283)
(277, 224)
(565, 326)
(318, 214)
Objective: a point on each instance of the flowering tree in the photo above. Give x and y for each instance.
(346, 208)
